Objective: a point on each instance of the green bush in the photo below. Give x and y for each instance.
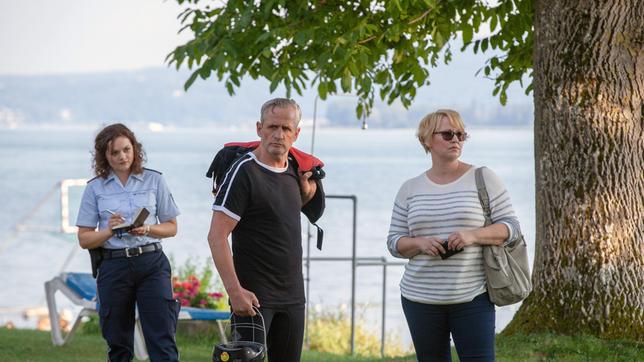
(91, 325)
(330, 331)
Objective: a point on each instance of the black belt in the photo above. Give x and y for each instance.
(130, 252)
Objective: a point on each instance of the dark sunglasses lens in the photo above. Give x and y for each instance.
(447, 135)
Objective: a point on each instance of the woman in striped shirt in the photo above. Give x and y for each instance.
(437, 223)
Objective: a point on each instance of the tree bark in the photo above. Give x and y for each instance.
(589, 147)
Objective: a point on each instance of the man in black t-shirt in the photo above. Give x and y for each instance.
(259, 203)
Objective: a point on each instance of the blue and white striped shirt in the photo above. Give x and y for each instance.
(423, 208)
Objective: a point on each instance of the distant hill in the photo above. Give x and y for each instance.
(156, 95)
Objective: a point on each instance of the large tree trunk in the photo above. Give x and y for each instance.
(589, 147)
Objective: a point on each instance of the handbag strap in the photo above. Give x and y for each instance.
(484, 198)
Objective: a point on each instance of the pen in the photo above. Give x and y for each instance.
(113, 213)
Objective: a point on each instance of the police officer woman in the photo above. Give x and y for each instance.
(133, 270)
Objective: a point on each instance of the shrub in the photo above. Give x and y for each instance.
(330, 331)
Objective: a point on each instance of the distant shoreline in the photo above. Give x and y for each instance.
(159, 127)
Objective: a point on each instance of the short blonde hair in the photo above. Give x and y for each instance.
(429, 124)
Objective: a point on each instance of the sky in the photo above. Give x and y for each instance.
(79, 36)
(40, 37)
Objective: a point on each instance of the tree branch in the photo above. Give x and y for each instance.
(413, 21)
(367, 40)
(420, 17)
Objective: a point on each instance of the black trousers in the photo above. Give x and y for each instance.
(144, 281)
(285, 331)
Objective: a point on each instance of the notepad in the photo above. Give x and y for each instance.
(137, 221)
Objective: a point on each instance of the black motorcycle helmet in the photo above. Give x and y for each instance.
(242, 351)
(239, 351)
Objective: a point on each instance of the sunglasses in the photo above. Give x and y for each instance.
(449, 135)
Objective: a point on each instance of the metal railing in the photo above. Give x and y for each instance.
(355, 263)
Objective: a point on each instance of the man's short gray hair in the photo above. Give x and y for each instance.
(280, 103)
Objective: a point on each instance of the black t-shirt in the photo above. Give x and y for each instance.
(267, 241)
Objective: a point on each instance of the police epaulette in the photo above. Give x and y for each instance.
(92, 179)
(149, 169)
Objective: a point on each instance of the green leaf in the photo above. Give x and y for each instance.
(503, 98)
(235, 80)
(439, 40)
(230, 89)
(419, 75)
(191, 80)
(346, 82)
(301, 37)
(467, 34)
(297, 88)
(381, 77)
(493, 22)
(274, 84)
(204, 72)
(263, 37)
(397, 3)
(354, 69)
(322, 90)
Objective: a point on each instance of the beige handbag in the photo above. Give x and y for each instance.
(506, 266)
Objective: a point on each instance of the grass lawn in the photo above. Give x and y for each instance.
(29, 345)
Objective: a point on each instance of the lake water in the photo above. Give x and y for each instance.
(368, 164)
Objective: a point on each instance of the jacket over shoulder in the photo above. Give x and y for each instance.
(302, 161)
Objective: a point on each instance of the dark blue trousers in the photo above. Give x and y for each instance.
(471, 325)
(143, 281)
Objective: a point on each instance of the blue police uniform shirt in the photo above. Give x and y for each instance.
(147, 189)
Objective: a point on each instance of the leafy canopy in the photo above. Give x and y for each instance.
(353, 46)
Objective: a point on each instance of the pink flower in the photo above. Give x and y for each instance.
(189, 292)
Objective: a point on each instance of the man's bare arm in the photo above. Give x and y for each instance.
(241, 300)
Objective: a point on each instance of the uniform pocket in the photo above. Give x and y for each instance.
(146, 199)
(108, 204)
(175, 308)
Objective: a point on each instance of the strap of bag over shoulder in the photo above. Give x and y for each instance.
(484, 198)
(506, 267)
